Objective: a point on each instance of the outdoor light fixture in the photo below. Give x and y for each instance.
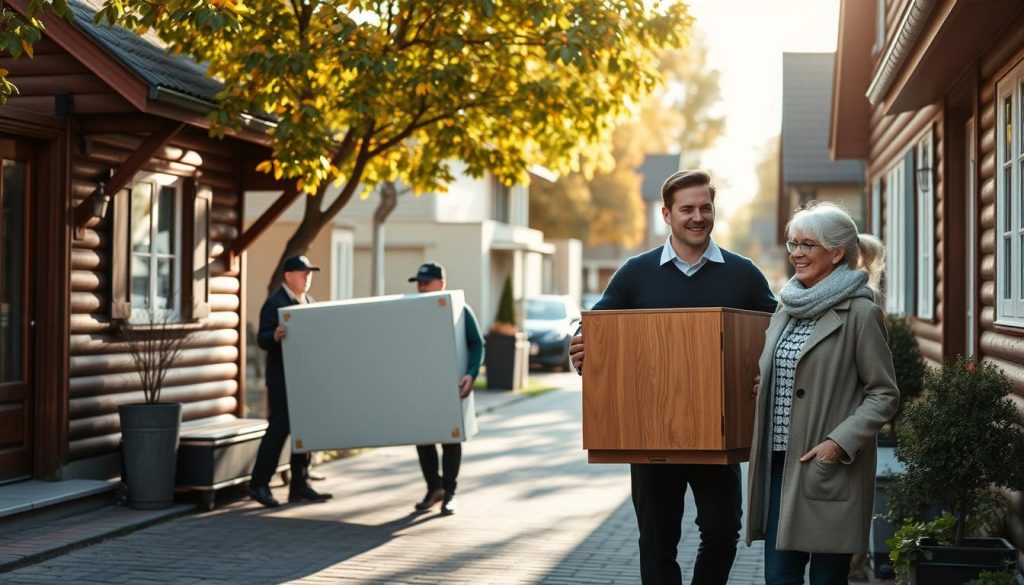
(95, 205)
(924, 179)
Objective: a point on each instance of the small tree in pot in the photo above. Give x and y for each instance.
(958, 441)
(907, 361)
(507, 349)
(149, 430)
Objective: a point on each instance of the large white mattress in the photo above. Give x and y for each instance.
(377, 371)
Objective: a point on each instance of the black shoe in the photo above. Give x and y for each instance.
(306, 493)
(433, 496)
(448, 505)
(263, 496)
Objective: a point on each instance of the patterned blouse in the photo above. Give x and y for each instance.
(787, 354)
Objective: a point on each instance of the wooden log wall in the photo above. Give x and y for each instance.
(1002, 346)
(208, 376)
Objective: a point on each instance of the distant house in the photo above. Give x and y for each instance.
(478, 230)
(807, 170)
(114, 199)
(600, 262)
(930, 95)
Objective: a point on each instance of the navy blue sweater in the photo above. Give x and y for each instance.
(644, 283)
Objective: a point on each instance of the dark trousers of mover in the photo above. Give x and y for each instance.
(274, 440)
(450, 461)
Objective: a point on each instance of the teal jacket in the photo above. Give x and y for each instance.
(474, 343)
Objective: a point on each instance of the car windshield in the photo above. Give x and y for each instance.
(545, 310)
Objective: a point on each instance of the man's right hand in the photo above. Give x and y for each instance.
(280, 332)
(576, 352)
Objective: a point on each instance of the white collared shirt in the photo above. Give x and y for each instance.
(305, 297)
(711, 254)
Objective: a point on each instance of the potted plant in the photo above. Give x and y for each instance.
(507, 354)
(958, 441)
(149, 430)
(909, 368)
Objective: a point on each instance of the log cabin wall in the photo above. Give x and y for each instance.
(207, 376)
(105, 130)
(997, 344)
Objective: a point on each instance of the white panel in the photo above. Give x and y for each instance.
(377, 371)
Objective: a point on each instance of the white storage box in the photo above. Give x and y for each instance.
(377, 371)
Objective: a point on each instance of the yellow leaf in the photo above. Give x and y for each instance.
(264, 167)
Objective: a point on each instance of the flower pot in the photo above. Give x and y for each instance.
(956, 565)
(507, 359)
(149, 435)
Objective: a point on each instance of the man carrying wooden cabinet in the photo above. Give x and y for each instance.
(689, 271)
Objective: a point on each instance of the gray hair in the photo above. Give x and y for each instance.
(831, 226)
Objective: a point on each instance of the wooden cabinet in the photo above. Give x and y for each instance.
(670, 385)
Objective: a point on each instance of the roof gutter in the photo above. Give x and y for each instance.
(190, 103)
(896, 53)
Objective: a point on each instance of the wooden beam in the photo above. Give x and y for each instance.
(234, 251)
(119, 123)
(141, 156)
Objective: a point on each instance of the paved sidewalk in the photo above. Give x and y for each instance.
(531, 511)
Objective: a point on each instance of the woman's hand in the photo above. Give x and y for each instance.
(828, 451)
(757, 386)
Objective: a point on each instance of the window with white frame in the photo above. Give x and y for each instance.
(658, 226)
(925, 228)
(155, 233)
(896, 252)
(342, 257)
(501, 200)
(1010, 200)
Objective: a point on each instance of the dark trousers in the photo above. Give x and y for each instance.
(658, 498)
(273, 441)
(450, 461)
(786, 567)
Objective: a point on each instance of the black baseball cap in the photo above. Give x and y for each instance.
(296, 263)
(429, 271)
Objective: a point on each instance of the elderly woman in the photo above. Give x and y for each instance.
(828, 387)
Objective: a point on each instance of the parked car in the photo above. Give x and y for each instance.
(588, 300)
(551, 321)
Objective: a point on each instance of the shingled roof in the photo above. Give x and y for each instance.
(146, 55)
(806, 109)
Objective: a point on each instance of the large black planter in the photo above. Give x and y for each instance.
(149, 433)
(956, 565)
(507, 360)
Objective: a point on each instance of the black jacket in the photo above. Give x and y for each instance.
(265, 337)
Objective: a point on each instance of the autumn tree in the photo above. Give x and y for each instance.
(394, 90)
(607, 208)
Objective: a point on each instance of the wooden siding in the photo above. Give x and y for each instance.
(53, 71)
(207, 377)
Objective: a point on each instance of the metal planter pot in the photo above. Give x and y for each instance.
(955, 565)
(149, 434)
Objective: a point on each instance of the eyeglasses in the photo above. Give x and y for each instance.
(803, 247)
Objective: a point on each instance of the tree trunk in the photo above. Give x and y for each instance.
(388, 202)
(314, 218)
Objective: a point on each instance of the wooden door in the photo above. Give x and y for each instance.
(16, 397)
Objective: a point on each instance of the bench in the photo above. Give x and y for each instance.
(219, 453)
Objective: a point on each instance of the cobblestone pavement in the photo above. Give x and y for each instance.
(531, 510)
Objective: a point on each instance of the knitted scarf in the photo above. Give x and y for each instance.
(809, 303)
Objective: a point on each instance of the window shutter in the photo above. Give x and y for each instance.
(199, 259)
(121, 258)
(909, 264)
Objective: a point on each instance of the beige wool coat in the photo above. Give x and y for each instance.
(844, 389)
